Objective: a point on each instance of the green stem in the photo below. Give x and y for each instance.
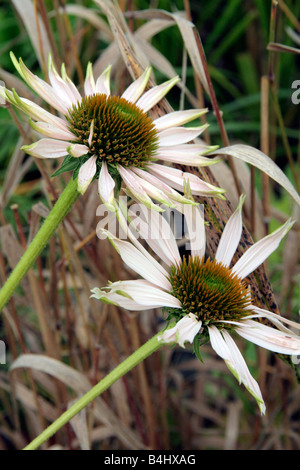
(57, 214)
(138, 356)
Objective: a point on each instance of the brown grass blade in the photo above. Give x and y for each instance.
(80, 384)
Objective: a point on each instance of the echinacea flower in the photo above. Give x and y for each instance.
(113, 138)
(208, 298)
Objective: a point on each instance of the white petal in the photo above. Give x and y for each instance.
(47, 148)
(179, 135)
(33, 110)
(194, 219)
(153, 191)
(43, 89)
(77, 150)
(141, 264)
(62, 89)
(135, 90)
(184, 158)
(72, 88)
(2, 95)
(177, 179)
(246, 378)
(89, 82)
(231, 236)
(103, 82)
(132, 182)
(122, 215)
(226, 348)
(273, 317)
(157, 232)
(185, 330)
(155, 94)
(90, 139)
(86, 174)
(120, 300)
(52, 131)
(189, 149)
(269, 338)
(158, 183)
(106, 186)
(177, 118)
(259, 252)
(145, 293)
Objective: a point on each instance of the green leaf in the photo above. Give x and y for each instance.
(198, 342)
(69, 164)
(196, 345)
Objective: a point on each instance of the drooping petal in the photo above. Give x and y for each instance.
(226, 348)
(179, 135)
(136, 89)
(103, 82)
(130, 230)
(47, 148)
(269, 338)
(194, 218)
(153, 191)
(86, 174)
(145, 266)
(177, 179)
(259, 252)
(106, 187)
(158, 183)
(177, 118)
(155, 94)
(231, 236)
(184, 330)
(135, 189)
(273, 317)
(155, 229)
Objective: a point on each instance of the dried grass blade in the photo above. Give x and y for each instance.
(26, 12)
(88, 14)
(186, 29)
(80, 428)
(15, 172)
(78, 381)
(261, 161)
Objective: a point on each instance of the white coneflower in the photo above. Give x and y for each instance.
(113, 138)
(207, 298)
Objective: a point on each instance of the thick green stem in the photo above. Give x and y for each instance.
(138, 356)
(57, 214)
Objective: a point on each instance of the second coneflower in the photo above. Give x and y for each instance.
(207, 299)
(113, 138)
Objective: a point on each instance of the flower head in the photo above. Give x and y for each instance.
(113, 138)
(208, 299)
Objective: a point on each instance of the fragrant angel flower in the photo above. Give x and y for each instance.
(208, 299)
(113, 138)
